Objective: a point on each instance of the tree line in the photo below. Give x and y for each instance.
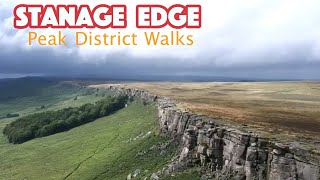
(51, 122)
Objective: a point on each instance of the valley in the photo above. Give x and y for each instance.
(125, 143)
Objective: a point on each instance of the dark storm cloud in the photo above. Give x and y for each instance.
(121, 65)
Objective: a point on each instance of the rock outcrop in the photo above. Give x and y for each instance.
(224, 152)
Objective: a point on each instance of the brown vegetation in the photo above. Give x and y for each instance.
(290, 108)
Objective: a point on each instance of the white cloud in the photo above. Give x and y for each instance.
(233, 33)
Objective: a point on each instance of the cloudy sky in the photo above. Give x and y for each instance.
(249, 38)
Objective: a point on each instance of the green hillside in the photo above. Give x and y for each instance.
(108, 148)
(29, 95)
(51, 122)
(111, 147)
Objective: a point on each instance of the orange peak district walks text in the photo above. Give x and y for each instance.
(173, 38)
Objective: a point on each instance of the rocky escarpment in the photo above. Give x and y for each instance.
(224, 152)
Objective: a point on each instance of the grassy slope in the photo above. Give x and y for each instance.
(46, 96)
(23, 108)
(97, 150)
(189, 174)
(53, 98)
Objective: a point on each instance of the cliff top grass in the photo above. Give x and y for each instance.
(275, 109)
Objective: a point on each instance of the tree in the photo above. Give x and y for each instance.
(51, 122)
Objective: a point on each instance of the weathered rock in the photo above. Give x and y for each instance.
(226, 153)
(154, 176)
(136, 173)
(184, 154)
(129, 177)
(307, 171)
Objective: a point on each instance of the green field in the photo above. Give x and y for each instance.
(98, 150)
(53, 96)
(112, 147)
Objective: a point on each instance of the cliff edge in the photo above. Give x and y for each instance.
(226, 152)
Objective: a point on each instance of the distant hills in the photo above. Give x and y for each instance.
(29, 86)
